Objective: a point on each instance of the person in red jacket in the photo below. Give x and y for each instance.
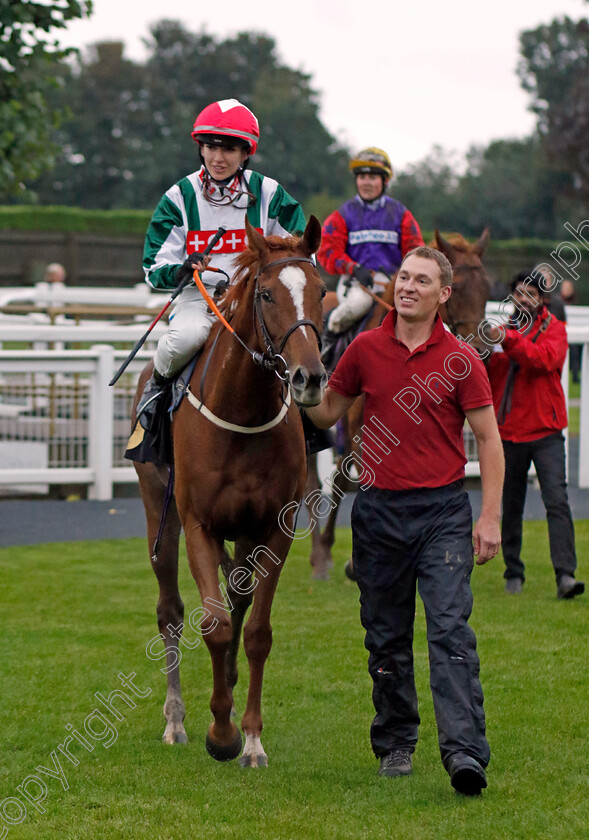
(531, 413)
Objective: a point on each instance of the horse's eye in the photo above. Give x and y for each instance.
(266, 295)
(323, 292)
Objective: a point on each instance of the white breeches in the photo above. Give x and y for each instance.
(189, 327)
(354, 303)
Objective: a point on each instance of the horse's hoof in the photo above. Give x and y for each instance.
(224, 753)
(175, 733)
(321, 574)
(175, 738)
(253, 761)
(349, 570)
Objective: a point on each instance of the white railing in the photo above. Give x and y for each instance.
(47, 294)
(64, 411)
(61, 423)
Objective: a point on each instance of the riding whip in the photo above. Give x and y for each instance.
(221, 231)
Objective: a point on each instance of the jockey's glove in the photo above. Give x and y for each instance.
(363, 275)
(186, 271)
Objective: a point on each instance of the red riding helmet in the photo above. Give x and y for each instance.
(227, 118)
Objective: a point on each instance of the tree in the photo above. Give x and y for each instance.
(505, 185)
(106, 141)
(26, 56)
(554, 69)
(134, 141)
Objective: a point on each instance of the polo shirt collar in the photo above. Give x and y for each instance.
(437, 334)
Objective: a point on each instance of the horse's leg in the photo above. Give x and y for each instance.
(240, 603)
(355, 418)
(257, 642)
(205, 555)
(339, 485)
(319, 562)
(170, 609)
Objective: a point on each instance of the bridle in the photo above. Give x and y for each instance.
(273, 359)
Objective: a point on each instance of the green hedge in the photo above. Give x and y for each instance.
(75, 220)
(135, 222)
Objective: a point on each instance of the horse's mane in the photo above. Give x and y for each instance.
(244, 269)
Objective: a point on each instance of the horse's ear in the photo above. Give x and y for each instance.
(311, 240)
(481, 242)
(255, 239)
(444, 246)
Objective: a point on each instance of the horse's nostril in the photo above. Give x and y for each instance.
(298, 379)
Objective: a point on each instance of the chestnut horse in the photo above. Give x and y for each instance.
(463, 312)
(239, 460)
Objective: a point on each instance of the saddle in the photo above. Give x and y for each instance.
(154, 445)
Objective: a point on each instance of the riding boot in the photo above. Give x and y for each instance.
(154, 389)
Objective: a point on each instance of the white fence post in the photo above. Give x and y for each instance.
(101, 424)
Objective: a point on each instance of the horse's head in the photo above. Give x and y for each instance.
(288, 313)
(464, 310)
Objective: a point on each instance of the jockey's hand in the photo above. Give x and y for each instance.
(363, 275)
(195, 261)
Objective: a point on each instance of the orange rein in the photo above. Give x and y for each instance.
(211, 303)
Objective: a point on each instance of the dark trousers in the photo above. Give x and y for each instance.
(402, 540)
(548, 456)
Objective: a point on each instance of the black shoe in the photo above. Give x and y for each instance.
(395, 763)
(466, 774)
(152, 393)
(513, 586)
(568, 587)
(349, 570)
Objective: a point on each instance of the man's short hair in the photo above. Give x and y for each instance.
(527, 279)
(443, 262)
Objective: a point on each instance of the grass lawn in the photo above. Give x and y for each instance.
(76, 615)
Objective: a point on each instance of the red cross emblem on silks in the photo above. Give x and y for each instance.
(232, 242)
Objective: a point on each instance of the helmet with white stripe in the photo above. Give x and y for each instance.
(225, 121)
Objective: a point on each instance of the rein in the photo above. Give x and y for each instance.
(269, 360)
(272, 358)
(378, 299)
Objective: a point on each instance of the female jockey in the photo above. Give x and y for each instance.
(221, 193)
(366, 238)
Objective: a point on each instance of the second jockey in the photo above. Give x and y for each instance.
(221, 193)
(366, 239)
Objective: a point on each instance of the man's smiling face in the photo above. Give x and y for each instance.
(418, 289)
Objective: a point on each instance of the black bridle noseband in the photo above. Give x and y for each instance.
(274, 357)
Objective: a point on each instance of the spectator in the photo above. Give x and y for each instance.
(531, 412)
(55, 275)
(551, 295)
(413, 525)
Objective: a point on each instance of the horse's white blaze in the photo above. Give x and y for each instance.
(294, 279)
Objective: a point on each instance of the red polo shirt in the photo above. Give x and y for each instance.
(414, 406)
